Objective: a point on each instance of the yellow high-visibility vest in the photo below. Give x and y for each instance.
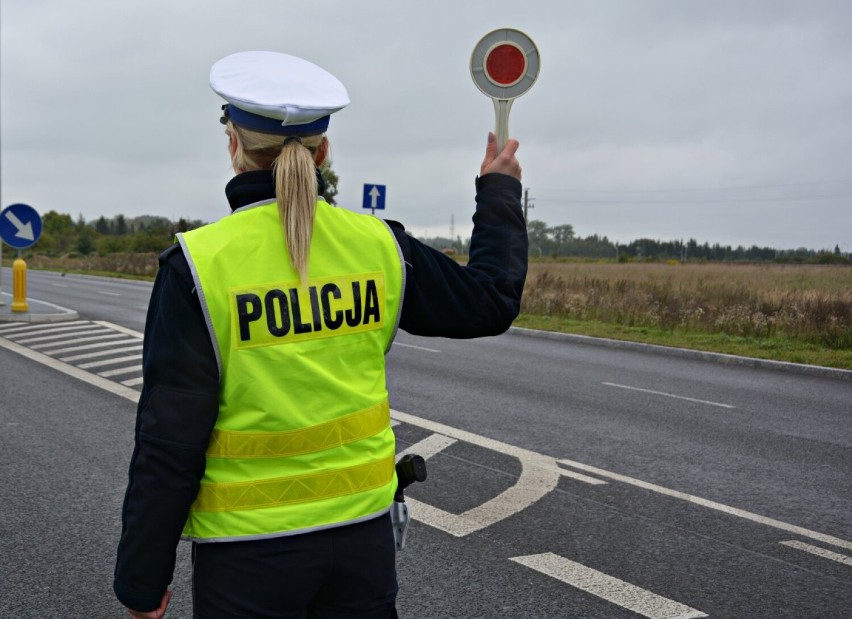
(303, 438)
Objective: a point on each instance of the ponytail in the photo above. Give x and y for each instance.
(294, 170)
(296, 194)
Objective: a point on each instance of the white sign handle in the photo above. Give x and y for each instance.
(501, 126)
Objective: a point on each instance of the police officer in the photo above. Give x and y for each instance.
(263, 430)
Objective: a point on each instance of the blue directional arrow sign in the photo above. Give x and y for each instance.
(374, 196)
(20, 225)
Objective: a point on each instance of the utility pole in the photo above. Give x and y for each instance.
(527, 205)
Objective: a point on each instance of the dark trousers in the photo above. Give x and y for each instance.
(345, 572)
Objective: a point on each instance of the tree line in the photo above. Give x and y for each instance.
(64, 236)
(560, 241)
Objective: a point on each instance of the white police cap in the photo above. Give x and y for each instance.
(277, 93)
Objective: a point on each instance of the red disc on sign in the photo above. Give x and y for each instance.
(505, 64)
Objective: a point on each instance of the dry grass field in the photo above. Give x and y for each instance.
(807, 306)
(142, 265)
(800, 313)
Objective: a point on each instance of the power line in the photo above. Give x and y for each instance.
(708, 200)
(696, 189)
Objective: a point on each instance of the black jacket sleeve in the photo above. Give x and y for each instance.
(444, 298)
(176, 413)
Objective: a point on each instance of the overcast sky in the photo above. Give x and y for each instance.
(724, 121)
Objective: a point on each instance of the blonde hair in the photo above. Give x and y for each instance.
(293, 166)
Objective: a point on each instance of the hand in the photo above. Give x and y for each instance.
(158, 613)
(500, 163)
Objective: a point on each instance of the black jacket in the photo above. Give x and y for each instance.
(179, 402)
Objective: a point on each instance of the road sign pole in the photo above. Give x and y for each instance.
(20, 227)
(1, 274)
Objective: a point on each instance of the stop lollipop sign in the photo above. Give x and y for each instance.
(504, 65)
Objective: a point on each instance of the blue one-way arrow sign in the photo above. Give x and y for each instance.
(20, 225)
(374, 196)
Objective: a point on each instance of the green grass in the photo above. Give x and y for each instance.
(775, 349)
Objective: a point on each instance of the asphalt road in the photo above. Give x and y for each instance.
(564, 480)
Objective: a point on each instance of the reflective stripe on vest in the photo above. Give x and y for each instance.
(225, 444)
(299, 489)
(303, 438)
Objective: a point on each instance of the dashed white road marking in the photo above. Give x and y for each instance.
(415, 347)
(820, 552)
(607, 587)
(669, 395)
(110, 294)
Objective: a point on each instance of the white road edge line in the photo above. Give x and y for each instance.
(594, 481)
(53, 305)
(733, 511)
(820, 552)
(609, 588)
(669, 395)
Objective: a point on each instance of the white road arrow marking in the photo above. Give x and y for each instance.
(374, 194)
(25, 230)
(539, 475)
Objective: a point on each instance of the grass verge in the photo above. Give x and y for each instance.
(775, 349)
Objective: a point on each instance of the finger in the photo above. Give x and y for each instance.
(510, 148)
(490, 150)
(164, 603)
(491, 144)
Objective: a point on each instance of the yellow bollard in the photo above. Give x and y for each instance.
(19, 286)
